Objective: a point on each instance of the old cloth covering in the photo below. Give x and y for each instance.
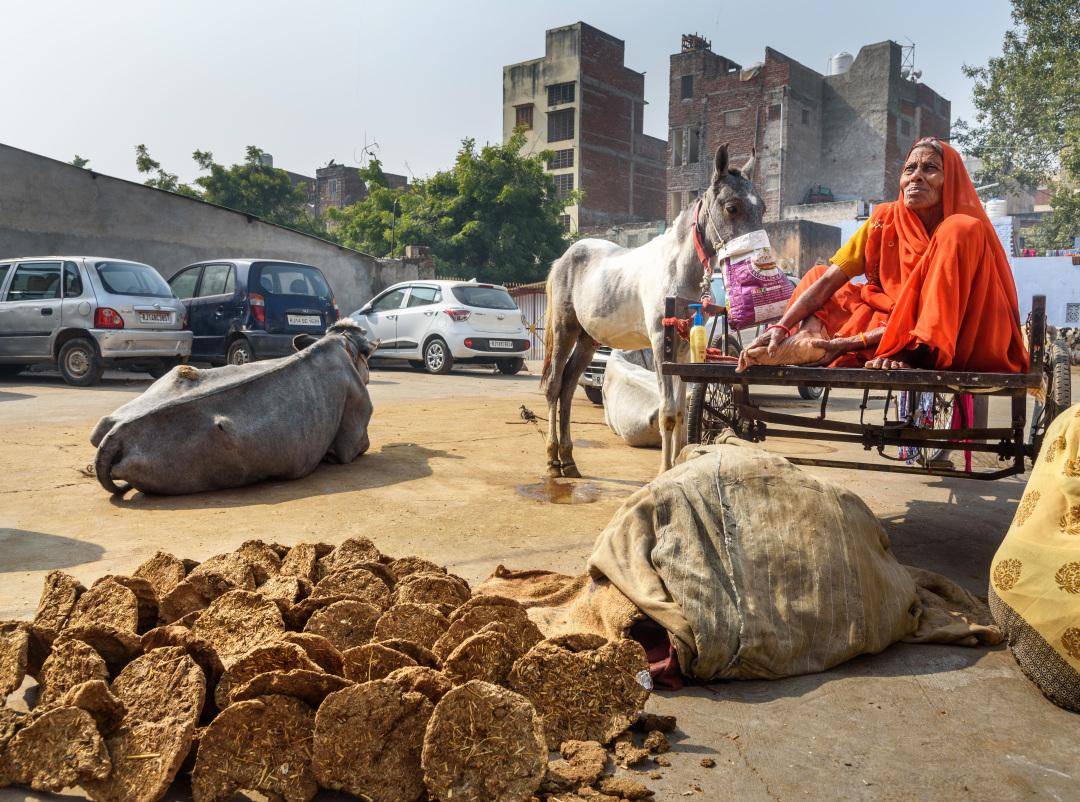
(1035, 575)
(755, 569)
(952, 291)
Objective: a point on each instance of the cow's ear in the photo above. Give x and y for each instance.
(302, 341)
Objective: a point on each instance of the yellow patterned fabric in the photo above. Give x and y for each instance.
(851, 256)
(1035, 576)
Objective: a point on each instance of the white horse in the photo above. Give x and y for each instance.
(599, 293)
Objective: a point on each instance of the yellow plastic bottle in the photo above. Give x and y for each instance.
(699, 338)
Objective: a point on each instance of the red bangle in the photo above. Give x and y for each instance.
(780, 326)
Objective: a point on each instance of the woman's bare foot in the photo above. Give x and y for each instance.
(886, 363)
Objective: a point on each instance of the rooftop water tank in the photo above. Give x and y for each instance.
(839, 63)
(997, 208)
(266, 160)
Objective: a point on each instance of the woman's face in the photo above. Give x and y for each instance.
(922, 178)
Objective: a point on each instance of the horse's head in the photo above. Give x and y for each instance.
(730, 206)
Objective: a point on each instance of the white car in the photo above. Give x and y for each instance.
(435, 324)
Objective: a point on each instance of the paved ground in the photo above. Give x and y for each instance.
(455, 476)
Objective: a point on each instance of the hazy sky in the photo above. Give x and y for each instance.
(313, 80)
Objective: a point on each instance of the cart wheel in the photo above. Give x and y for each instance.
(1058, 393)
(712, 406)
(810, 392)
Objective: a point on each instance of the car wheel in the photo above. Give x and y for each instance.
(161, 367)
(80, 363)
(417, 364)
(239, 352)
(595, 394)
(508, 367)
(11, 371)
(809, 392)
(437, 357)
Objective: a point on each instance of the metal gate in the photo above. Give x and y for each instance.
(532, 300)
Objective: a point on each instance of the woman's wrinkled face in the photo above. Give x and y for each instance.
(922, 178)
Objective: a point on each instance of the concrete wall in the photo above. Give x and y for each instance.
(48, 207)
(800, 244)
(832, 214)
(1056, 277)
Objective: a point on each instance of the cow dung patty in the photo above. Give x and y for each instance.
(373, 661)
(488, 655)
(318, 648)
(310, 687)
(345, 623)
(420, 623)
(354, 583)
(585, 689)
(145, 756)
(264, 561)
(182, 600)
(404, 566)
(57, 750)
(107, 602)
(162, 685)
(163, 571)
(349, 553)
(58, 598)
(237, 622)
(70, 663)
(368, 740)
(433, 684)
(259, 745)
(268, 657)
(14, 653)
(221, 574)
(116, 646)
(422, 655)
(441, 590)
(523, 633)
(199, 649)
(483, 743)
(301, 561)
(95, 698)
(145, 597)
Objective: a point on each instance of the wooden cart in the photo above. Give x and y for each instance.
(722, 399)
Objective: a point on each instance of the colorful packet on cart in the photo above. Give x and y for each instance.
(757, 289)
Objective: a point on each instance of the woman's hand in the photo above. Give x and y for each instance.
(835, 347)
(772, 338)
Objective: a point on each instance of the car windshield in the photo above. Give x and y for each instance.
(484, 297)
(283, 279)
(129, 278)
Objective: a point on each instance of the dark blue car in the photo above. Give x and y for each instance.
(240, 310)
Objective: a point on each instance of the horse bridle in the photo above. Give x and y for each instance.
(706, 249)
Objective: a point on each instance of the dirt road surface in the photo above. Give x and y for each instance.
(456, 476)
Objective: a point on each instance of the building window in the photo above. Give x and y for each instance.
(676, 147)
(772, 182)
(806, 116)
(905, 128)
(564, 221)
(774, 112)
(687, 87)
(676, 203)
(695, 136)
(1072, 313)
(562, 158)
(560, 93)
(733, 119)
(564, 184)
(523, 117)
(560, 125)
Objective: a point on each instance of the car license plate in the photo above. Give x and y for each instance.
(597, 380)
(304, 320)
(501, 344)
(155, 317)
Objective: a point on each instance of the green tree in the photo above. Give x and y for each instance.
(257, 189)
(79, 161)
(158, 177)
(1027, 122)
(493, 215)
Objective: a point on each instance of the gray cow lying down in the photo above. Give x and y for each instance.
(196, 430)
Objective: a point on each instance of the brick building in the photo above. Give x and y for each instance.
(582, 102)
(826, 144)
(339, 185)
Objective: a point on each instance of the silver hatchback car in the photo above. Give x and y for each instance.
(83, 313)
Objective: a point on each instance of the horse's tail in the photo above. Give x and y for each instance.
(549, 338)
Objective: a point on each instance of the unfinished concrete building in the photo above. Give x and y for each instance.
(581, 101)
(828, 145)
(340, 185)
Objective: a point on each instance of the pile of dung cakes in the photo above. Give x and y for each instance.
(284, 670)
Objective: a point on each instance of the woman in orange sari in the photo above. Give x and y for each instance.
(939, 291)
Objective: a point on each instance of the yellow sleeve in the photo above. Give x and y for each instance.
(851, 258)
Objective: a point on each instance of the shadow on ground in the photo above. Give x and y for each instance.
(23, 550)
(391, 464)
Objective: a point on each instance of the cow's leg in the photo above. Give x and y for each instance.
(352, 439)
(579, 360)
(562, 346)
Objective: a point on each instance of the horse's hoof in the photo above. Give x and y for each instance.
(570, 471)
(555, 470)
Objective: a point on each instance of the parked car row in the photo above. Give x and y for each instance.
(84, 313)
